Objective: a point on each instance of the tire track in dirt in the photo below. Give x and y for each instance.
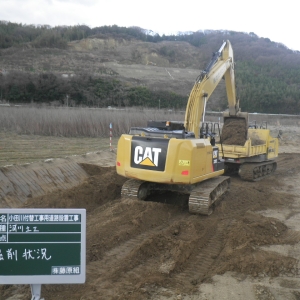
(122, 263)
(114, 256)
(139, 274)
(209, 247)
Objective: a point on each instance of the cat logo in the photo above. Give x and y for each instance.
(147, 157)
(149, 153)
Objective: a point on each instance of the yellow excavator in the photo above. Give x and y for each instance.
(183, 157)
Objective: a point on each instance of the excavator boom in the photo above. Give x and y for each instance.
(222, 64)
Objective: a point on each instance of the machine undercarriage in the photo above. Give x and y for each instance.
(202, 195)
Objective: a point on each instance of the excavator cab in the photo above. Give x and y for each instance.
(209, 130)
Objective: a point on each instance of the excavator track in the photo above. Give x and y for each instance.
(203, 197)
(257, 171)
(131, 189)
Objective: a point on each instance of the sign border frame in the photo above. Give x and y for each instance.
(51, 279)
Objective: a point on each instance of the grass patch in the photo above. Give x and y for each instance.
(30, 134)
(20, 149)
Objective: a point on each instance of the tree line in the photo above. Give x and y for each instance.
(256, 91)
(82, 90)
(261, 91)
(267, 73)
(14, 34)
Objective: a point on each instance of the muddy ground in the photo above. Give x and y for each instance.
(249, 248)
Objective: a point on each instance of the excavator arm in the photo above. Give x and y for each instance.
(222, 64)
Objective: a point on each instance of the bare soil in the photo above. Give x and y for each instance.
(234, 131)
(157, 250)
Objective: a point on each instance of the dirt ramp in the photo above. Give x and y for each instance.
(20, 182)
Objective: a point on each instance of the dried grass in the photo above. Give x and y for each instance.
(78, 122)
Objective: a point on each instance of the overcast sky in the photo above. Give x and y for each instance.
(272, 19)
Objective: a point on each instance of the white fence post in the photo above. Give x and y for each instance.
(110, 135)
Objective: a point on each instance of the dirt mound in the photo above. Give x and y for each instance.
(242, 242)
(103, 185)
(151, 250)
(234, 131)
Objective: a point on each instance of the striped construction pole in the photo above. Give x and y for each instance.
(110, 136)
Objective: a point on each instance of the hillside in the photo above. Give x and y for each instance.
(121, 70)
